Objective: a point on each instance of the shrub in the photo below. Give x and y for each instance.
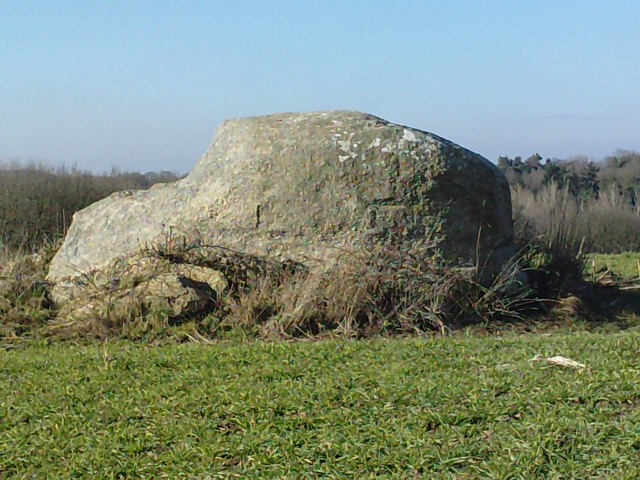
(24, 302)
(555, 232)
(37, 202)
(553, 216)
(550, 237)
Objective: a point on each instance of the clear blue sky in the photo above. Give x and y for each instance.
(142, 85)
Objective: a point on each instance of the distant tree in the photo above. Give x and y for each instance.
(617, 176)
(514, 177)
(552, 173)
(517, 162)
(589, 186)
(504, 163)
(534, 161)
(534, 179)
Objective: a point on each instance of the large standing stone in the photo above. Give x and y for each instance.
(302, 186)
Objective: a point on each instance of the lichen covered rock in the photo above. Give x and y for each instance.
(141, 284)
(302, 187)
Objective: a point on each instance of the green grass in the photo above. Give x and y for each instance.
(453, 407)
(622, 264)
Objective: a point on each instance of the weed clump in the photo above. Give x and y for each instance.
(387, 289)
(25, 305)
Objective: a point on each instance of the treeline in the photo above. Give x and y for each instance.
(617, 176)
(592, 205)
(37, 202)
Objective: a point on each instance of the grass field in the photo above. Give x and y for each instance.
(473, 404)
(626, 265)
(440, 407)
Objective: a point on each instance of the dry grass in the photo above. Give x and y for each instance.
(383, 290)
(399, 289)
(554, 216)
(24, 301)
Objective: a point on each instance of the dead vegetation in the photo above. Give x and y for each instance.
(384, 289)
(25, 306)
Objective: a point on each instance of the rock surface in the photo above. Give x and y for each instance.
(144, 284)
(301, 187)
